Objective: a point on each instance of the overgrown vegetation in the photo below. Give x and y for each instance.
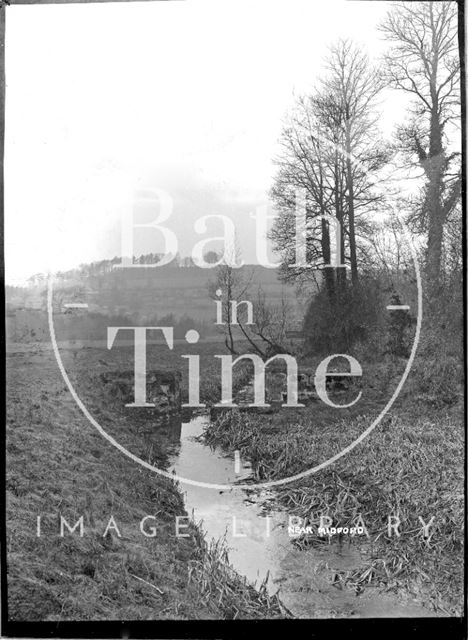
(57, 464)
(411, 466)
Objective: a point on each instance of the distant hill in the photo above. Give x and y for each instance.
(146, 292)
(179, 291)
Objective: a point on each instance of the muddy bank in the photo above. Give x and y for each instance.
(58, 465)
(254, 528)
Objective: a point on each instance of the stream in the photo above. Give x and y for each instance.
(260, 547)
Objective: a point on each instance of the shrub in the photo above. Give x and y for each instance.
(334, 324)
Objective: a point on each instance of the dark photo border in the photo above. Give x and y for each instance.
(450, 628)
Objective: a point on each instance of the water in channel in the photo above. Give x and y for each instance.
(259, 544)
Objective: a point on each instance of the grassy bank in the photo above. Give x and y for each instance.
(58, 465)
(411, 466)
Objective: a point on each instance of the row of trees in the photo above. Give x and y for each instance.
(101, 267)
(332, 151)
(329, 152)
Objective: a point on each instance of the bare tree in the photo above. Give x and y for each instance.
(329, 150)
(389, 250)
(229, 286)
(350, 91)
(424, 63)
(302, 166)
(267, 334)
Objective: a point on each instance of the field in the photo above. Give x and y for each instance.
(58, 465)
(410, 467)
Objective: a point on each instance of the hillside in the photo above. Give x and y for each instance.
(177, 294)
(166, 289)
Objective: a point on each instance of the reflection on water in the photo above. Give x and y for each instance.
(259, 544)
(253, 535)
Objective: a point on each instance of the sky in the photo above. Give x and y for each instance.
(186, 96)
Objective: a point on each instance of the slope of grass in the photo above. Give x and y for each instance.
(58, 465)
(411, 466)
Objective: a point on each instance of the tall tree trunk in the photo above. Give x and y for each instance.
(351, 223)
(434, 167)
(329, 277)
(341, 271)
